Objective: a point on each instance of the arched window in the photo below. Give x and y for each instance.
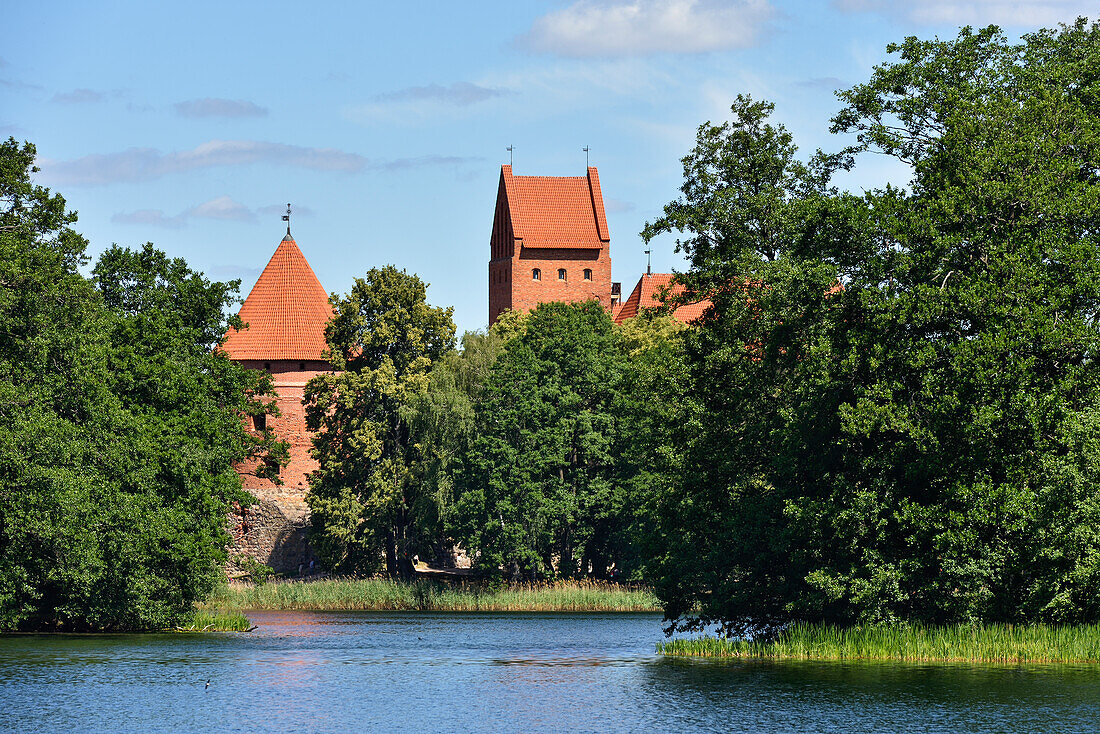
(536, 274)
(588, 273)
(561, 273)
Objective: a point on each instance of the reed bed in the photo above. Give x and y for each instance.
(425, 595)
(206, 620)
(911, 643)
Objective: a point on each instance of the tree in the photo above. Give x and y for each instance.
(365, 499)
(917, 444)
(720, 551)
(656, 413)
(539, 491)
(442, 422)
(53, 398)
(119, 424)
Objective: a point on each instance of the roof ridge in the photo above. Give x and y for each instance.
(286, 311)
(556, 211)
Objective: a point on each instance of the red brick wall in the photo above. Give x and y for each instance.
(500, 287)
(501, 249)
(526, 292)
(290, 380)
(274, 531)
(511, 284)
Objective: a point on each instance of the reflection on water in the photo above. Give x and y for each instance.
(337, 672)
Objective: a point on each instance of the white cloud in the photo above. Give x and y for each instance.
(212, 107)
(143, 164)
(1029, 13)
(149, 217)
(429, 101)
(78, 96)
(224, 208)
(23, 86)
(590, 28)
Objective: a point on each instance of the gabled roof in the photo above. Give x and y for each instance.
(556, 211)
(286, 311)
(647, 295)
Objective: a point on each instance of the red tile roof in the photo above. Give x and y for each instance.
(651, 292)
(556, 211)
(286, 311)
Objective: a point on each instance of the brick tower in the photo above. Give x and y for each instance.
(550, 242)
(286, 313)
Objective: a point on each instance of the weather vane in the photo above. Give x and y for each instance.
(510, 148)
(648, 269)
(585, 149)
(286, 218)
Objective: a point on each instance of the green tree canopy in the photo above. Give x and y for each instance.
(539, 482)
(119, 424)
(366, 499)
(921, 443)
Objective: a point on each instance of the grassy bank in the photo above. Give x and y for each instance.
(209, 620)
(385, 595)
(962, 643)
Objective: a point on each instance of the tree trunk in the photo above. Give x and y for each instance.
(391, 556)
(566, 567)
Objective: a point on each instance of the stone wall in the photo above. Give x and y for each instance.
(266, 533)
(274, 531)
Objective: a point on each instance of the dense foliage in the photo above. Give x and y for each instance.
(900, 388)
(540, 473)
(367, 499)
(890, 412)
(119, 424)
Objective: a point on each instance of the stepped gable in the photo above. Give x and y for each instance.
(286, 311)
(560, 212)
(647, 295)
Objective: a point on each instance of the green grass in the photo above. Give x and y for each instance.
(423, 595)
(206, 620)
(915, 643)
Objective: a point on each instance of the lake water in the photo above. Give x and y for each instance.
(338, 672)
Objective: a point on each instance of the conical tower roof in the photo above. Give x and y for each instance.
(286, 311)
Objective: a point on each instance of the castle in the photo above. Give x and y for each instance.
(286, 313)
(549, 242)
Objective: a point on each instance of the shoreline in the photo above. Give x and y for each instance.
(1031, 644)
(383, 595)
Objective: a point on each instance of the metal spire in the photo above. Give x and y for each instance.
(510, 148)
(286, 218)
(585, 149)
(648, 269)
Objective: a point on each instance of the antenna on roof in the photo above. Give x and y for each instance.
(648, 269)
(585, 149)
(510, 148)
(286, 218)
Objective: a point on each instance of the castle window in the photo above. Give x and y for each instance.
(536, 274)
(259, 422)
(561, 273)
(588, 273)
(302, 365)
(267, 366)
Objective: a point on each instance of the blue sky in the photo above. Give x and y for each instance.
(385, 124)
